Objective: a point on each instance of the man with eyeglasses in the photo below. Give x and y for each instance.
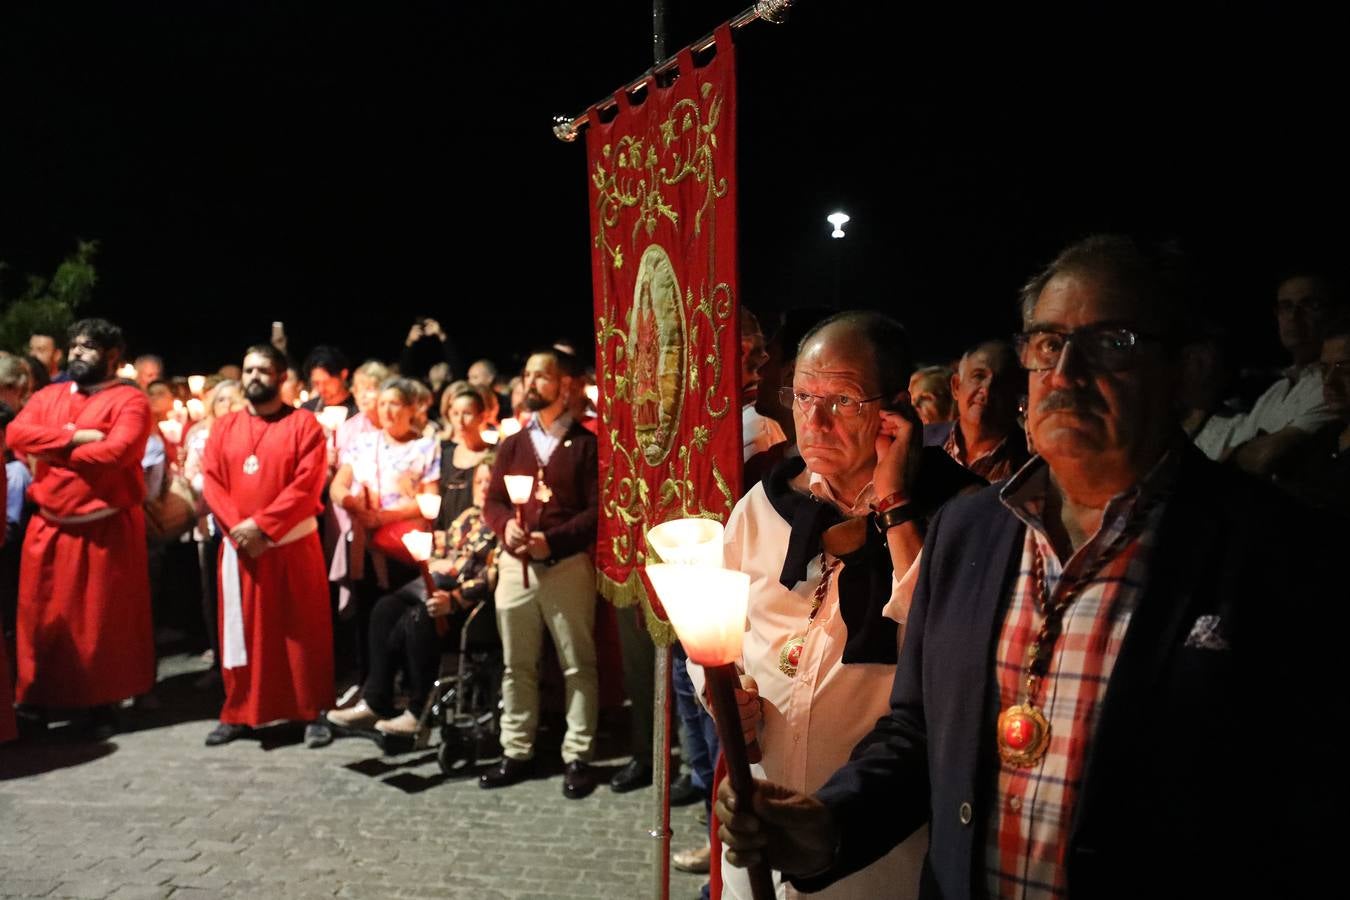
(829, 540)
(1113, 676)
(1292, 409)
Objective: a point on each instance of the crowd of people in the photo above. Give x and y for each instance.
(1046, 619)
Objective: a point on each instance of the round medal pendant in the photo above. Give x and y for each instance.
(791, 655)
(251, 465)
(1023, 735)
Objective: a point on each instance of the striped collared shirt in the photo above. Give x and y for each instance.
(1032, 809)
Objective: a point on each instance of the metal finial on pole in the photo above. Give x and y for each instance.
(566, 128)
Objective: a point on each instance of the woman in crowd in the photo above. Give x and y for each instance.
(461, 453)
(366, 383)
(404, 634)
(930, 390)
(380, 473)
(225, 397)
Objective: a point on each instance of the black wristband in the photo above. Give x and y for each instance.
(896, 515)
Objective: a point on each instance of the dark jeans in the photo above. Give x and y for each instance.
(700, 730)
(403, 638)
(366, 595)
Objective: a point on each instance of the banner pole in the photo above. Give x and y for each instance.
(661, 772)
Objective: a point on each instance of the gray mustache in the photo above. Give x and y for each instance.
(1072, 401)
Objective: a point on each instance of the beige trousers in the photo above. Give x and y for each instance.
(560, 598)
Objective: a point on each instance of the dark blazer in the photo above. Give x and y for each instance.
(568, 520)
(1210, 769)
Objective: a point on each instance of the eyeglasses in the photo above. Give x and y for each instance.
(1304, 306)
(841, 405)
(1103, 347)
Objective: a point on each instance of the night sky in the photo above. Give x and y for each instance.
(347, 167)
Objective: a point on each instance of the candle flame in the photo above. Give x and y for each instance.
(519, 487)
(418, 544)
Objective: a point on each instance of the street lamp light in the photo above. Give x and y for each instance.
(838, 220)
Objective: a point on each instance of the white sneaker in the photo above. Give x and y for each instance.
(359, 716)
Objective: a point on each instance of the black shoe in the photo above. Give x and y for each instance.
(506, 773)
(224, 733)
(683, 792)
(636, 774)
(318, 734)
(578, 780)
(103, 723)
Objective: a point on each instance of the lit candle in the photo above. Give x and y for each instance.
(429, 505)
(518, 488)
(196, 409)
(707, 607)
(419, 544)
(177, 404)
(330, 417)
(127, 371)
(508, 427)
(172, 430)
(694, 542)
(197, 384)
(593, 394)
(490, 436)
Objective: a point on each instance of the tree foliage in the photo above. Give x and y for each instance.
(48, 305)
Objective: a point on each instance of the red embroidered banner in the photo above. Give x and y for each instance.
(663, 229)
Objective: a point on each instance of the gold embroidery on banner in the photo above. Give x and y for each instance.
(649, 356)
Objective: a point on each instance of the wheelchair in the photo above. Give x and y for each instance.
(464, 707)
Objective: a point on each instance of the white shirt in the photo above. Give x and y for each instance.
(1294, 401)
(545, 440)
(758, 433)
(813, 720)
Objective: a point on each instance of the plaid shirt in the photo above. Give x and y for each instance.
(1028, 829)
(997, 464)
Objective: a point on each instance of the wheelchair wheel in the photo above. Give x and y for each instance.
(458, 751)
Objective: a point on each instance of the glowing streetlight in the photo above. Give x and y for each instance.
(838, 220)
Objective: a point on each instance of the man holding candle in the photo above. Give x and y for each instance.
(1096, 647)
(830, 541)
(84, 634)
(263, 473)
(559, 591)
(326, 368)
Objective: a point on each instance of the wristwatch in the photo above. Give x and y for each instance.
(896, 515)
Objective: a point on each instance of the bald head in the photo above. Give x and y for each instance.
(877, 340)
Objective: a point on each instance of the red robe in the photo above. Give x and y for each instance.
(288, 632)
(84, 632)
(8, 729)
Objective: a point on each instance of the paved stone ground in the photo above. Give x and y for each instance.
(153, 813)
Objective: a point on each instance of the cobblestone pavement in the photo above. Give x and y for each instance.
(153, 813)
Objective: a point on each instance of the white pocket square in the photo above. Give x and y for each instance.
(1207, 634)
